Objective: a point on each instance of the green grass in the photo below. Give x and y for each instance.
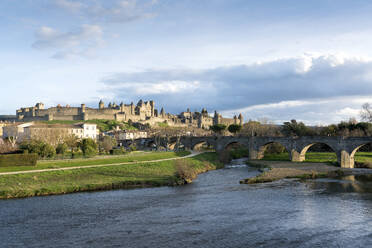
(319, 157)
(102, 178)
(131, 157)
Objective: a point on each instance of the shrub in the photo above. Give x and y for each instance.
(184, 171)
(18, 160)
(89, 147)
(133, 148)
(119, 151)
(77, 155)
(107, 143)
(61, 148)
(239, 152)
(40, 148)
(47, 151)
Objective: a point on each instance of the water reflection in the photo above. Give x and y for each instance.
(345, 184)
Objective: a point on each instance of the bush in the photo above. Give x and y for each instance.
(89, 147)
(18, 160)
(40, 148)
(77, 155)
(184, 171)
(107, 143)
(133, 148)
(61, 148)
(47, 151)
(239, 152)
(119, 151)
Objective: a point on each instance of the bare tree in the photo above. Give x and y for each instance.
(52, 136)
(366, 112)
(7, 147)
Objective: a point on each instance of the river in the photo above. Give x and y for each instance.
(213, 211)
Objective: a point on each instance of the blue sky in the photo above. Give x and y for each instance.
(281, 60)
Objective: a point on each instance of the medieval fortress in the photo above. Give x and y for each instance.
(142, 112)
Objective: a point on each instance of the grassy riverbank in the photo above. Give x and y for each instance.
(320, 157)
(103, 178)
(99, 160)
(276, 170)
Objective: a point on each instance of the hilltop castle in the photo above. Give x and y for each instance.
(142, 112)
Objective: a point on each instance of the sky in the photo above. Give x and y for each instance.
(278, 60)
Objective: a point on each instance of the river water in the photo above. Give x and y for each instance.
(213, 211)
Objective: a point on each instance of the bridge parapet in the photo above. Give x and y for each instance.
(345, 148)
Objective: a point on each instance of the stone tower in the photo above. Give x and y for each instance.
(122, 107)
(101, 105)
(241, 121)
(216, 118)
(39, 105)
(152, 104)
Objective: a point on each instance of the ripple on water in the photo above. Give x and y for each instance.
(214, 211)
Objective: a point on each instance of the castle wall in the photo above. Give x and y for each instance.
(105, 111)
(143, 112)
(58, 111)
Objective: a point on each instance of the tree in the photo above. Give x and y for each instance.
(294, 128)
(107, 143)
(61, 148)
(260, 128)
(72, 142)
(41, 148)
(366, 112)
(7, 147)
(218, 128)
(234, 128)
(52, 136)
(88, 146)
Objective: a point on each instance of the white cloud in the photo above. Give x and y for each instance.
(314, 88)
(166, 87)
(80, 42)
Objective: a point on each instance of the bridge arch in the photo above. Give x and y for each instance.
(197, 146)
(355, 150)
(263, 148)
(303, 151)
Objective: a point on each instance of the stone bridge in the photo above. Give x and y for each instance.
(345, 148)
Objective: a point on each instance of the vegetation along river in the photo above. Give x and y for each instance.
(214, 211)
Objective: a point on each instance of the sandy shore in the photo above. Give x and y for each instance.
(277, 170)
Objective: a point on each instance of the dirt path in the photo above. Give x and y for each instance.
(193, 154)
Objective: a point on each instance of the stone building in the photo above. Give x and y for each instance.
(51, 133)
(218, 119)
(130, 135)
(143, 112)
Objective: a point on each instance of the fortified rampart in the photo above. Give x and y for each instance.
(143, 112)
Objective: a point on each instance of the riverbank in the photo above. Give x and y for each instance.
(276, 170)
(163, 173)
(132, 157)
